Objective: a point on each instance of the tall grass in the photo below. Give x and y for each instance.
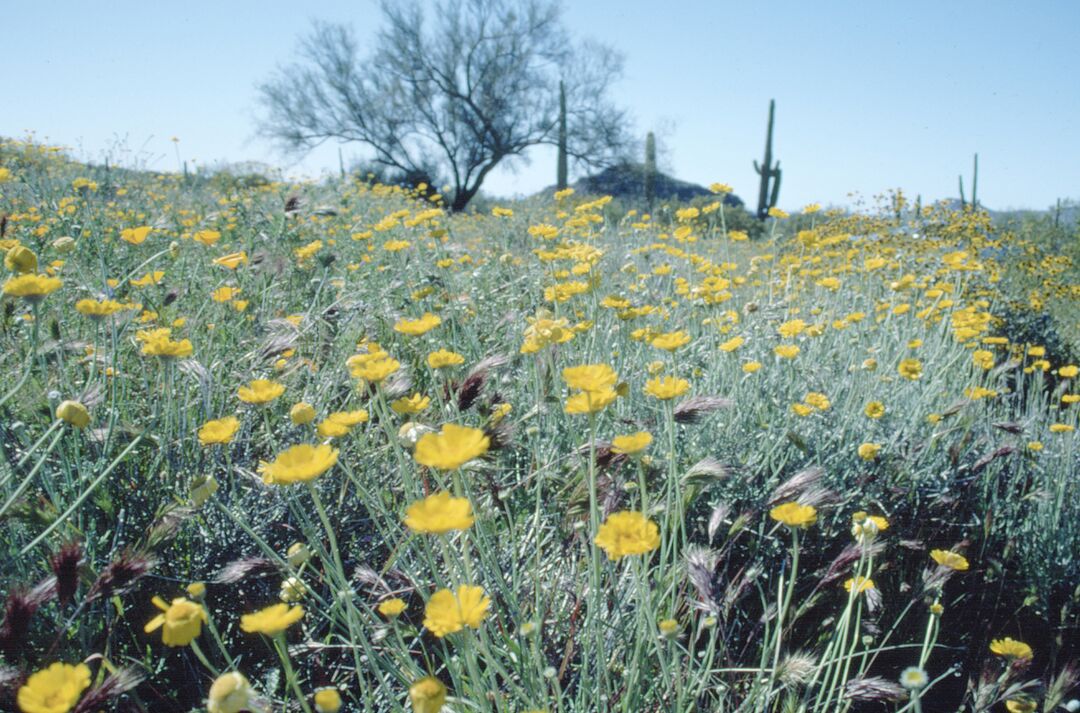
(733, 610)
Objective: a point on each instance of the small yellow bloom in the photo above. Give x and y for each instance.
(32, 288)
(181, 621)
(869, 451)
(448, 612)
(627, 533)
(292, 590)
(232, 260)
(443, 358)
(1010, 648)
(408, 405)
(666, 387)
(272, 620)
(373, 368)
(392, 608)
(787, 351)
(585, 402)
(260, 391)
(794, 514)
(859, 584)
(135, 236)
(452, 447)
(670, 341)
(910, 369)
(55, 689)
(417, 327)
(632, 443)
(299, 464)
(439, 513)
(590, 377)
(950, 560)
(220, 430)
(732, 344)
(98, 310)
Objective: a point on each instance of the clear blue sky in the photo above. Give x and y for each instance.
(870, 95)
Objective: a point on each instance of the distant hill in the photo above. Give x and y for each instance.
(627, 181)
(1070, 212)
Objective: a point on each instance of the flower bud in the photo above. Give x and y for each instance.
(327, 700)
(411, 432)
(230, 693)
(20, 259)
(669, 628)
(302, 413)
(292, 590)
(201, 489)
(65, 244)
(298, 554)
(74, 413)
(427, 695)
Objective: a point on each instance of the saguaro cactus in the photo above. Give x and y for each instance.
(561, 178)
(974, 187)
(768, 171)
(975, 184)
(650, 169)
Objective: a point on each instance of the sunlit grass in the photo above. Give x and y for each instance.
(798, 473)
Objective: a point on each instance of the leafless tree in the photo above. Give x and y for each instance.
(455, 87)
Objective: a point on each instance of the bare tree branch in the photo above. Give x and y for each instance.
(454, 91)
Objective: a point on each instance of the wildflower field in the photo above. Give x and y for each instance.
(330, 447)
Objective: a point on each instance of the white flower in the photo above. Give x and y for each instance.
(914, 678)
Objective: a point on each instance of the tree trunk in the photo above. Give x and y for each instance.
(462, 196)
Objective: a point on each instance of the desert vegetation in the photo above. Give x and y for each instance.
(327, 446)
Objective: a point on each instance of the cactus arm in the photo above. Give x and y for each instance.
(562, 177)
(775, 195)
